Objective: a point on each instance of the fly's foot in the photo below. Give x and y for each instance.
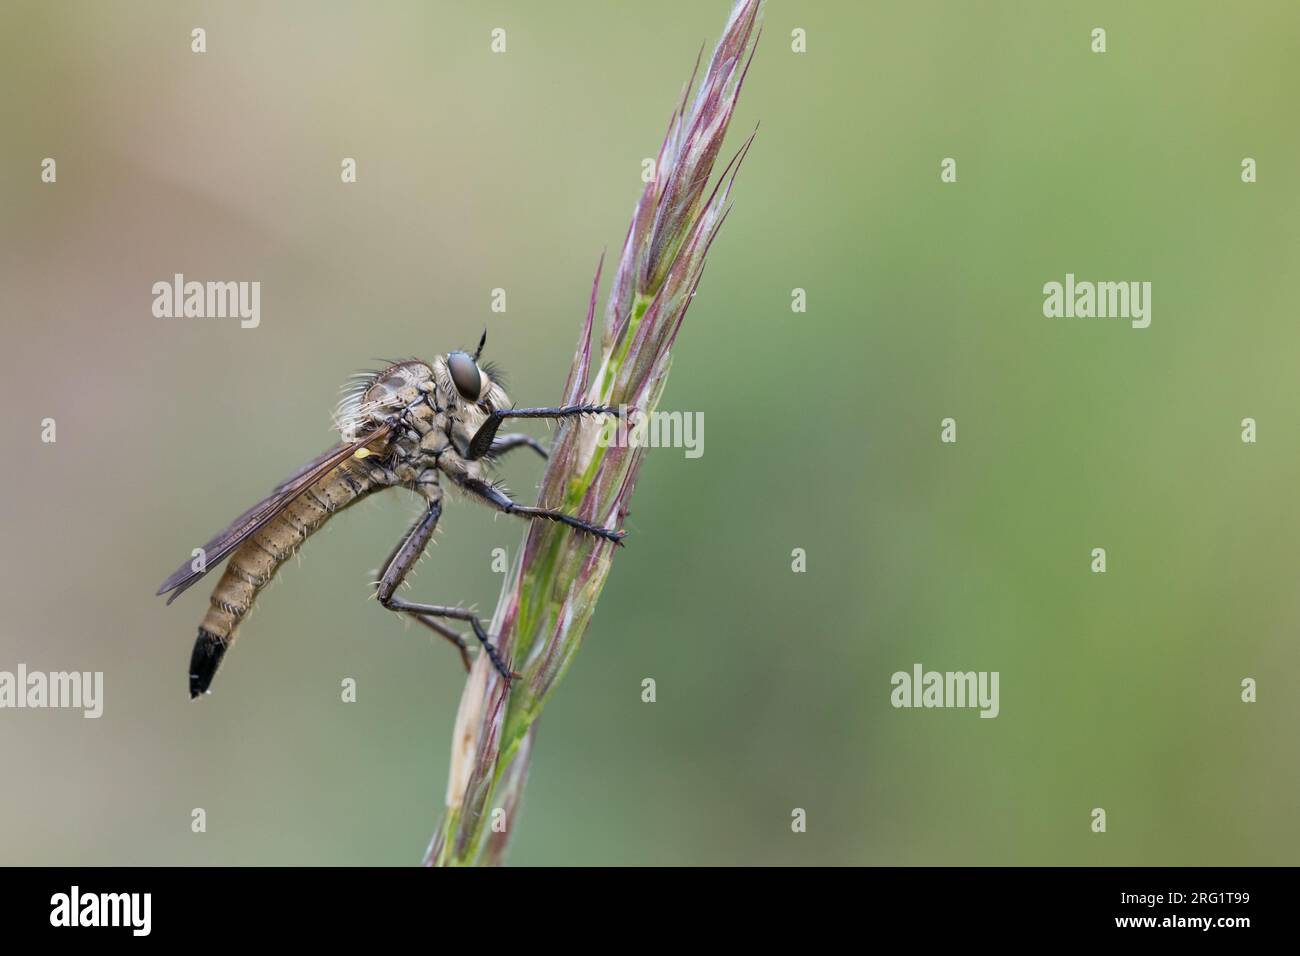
(594, 530)
(498, 664)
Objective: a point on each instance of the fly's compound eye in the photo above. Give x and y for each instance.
(465, 375)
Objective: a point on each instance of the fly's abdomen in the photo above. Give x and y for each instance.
(255, 562)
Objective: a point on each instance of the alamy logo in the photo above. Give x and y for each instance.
(208, 300)
(657, 430)
(76, 690)
(102, 909)
(1101, 300)
(922, 688)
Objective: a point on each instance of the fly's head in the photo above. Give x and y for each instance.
(468, 391)
(453, 389)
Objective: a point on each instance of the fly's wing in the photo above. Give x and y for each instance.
(309, 467)
(257, 517)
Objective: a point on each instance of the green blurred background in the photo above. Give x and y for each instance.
(479, 171)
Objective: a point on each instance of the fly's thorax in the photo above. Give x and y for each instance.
(407, 452)
(436, 441)
(398, 386)
(371, 398)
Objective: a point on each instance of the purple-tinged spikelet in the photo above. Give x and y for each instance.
(548, 599)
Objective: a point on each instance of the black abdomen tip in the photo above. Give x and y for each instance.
(204, 661)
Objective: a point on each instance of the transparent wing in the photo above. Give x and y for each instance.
(266, 510)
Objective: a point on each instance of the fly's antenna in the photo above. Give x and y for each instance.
(481, 342)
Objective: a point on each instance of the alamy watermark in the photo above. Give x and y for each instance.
(1100, 300)
(72, 690)
(658, 430)
(129, 910)
(208, 300)
(922, 688)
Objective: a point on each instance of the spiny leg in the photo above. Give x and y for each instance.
(399, 564)
(500, 500)
(481, 443)
(460, 614)
(513, 440)
(431, 517)
(450, 634)
(442, 630)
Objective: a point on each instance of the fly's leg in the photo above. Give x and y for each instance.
(399, 565)
(449, 633)
(431, 517)
(459, 614)
(501, 501)
(509, 442)
(481, 443)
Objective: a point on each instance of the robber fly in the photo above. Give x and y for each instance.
(411, 425)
